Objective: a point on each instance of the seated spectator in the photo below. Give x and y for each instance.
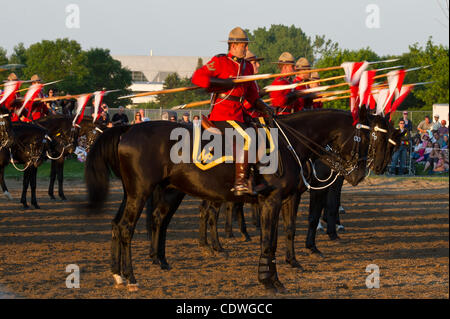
(417, 145)
(433, 158)
(120, 118)
(137, 118)
(442, 164)
(436, 138)
(166, 115)
(436, 124)
(444, 142)
(424, 152)
(173, 118)
(443, 129)
(424, 126)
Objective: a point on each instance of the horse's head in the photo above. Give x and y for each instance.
(6, 132)
(90, 131)
(351, 146)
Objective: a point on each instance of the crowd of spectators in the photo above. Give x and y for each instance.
(428, 147)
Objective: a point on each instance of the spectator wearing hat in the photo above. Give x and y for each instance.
(285, 101)
(424, 126)
(408, 123)
(185, 118)
(436, 123)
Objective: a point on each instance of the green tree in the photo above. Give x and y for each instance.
(3, 60)
(335, 57)
(61, 59)
(174, 81)
(437, 56)
(105, 72)
(19, 57)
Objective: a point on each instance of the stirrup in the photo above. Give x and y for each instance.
(240, 190)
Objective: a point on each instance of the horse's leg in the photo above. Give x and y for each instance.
(33, 176)
(51, 185)
(213, 215)
(331, 211)
(126, 227)
(3, 184)
(60, 174)
(239, 207)
(25, 182)
(229, 210)
(116, 246)
(289, 214)
(267, 269)
(316, 204)
(203, 238)
(256, 213)
(172, 200)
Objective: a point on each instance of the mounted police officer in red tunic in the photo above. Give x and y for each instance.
(227, 102)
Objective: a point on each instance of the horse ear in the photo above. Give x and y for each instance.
(362, 113)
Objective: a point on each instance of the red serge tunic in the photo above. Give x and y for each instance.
(279, 98)
(227, 66)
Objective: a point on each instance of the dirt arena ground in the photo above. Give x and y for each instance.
(400, 225)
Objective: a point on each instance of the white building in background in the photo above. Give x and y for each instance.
(149, 72)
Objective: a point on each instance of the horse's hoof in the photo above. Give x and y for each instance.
(25, 205)
(220, 252)
(294, 264)
(63, 197)
(275, 287)
(341, 210)
(52, 197)
(334, 237)
(246, 238)
(132, 287)
(119, 283)
(36, 206)
(340, 228)
(315, 253)
(165, 266)
(8, 195)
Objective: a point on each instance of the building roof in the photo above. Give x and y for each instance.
(157, 68)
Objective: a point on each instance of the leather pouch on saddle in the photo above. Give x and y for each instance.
(209, 126)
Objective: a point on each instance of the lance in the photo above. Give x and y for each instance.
(248, 78)
(45, 84)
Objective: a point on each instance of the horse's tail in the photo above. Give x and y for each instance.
(101, 159)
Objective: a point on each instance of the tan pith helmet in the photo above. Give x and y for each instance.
(250, 56)
(302, 64)
(12, 77)
(286, 58)
(238, 35)
(35, 78)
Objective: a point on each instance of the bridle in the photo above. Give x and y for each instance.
(332, 156)
(5, 136)
(34, 154)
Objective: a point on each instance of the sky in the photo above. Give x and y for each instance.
(198, 27)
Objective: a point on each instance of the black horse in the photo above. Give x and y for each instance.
(30, 147)
(60, 128)
(144, 158)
